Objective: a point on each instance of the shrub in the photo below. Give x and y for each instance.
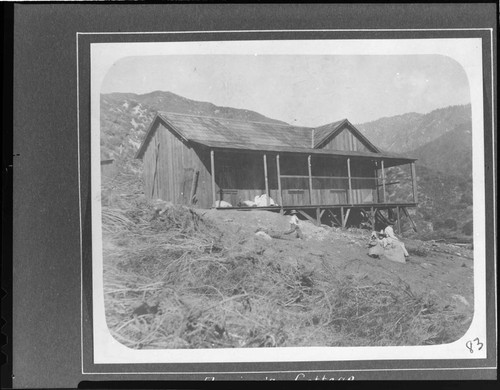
(468, 228)
(449, 223)
(466, 199)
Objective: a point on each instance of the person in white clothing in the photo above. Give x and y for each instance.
(390, 237)
(294, 225)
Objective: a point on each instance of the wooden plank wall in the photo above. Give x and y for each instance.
(327, 197)
(175, 167)
(296, 197)
(150, 161)
(346, 140)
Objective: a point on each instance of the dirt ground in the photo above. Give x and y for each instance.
(191, 278)
(443, 270)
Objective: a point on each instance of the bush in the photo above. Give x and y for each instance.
(468, 228)
(466, 199)
(449, 223)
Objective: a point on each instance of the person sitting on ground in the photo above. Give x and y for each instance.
(294, 225)
(391, 238)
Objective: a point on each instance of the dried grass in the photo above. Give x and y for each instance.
(170, 282)
(199, 294)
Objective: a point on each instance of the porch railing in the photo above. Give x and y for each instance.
(318, 190)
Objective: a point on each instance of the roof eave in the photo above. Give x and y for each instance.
(320, 152)
(327, 136)
(152, 128)
(142, 149)
(358, 133)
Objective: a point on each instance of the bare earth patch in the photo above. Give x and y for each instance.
(203, 279)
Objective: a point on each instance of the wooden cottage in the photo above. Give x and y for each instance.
(329, 170)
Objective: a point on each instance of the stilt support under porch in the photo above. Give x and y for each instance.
(411, 220)
(303, 213)
(340, 215)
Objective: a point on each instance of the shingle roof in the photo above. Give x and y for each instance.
(237, 131)
(248, 135)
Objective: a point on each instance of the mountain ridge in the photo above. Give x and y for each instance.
(441, 141)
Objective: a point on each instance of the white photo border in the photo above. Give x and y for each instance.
(108, 351)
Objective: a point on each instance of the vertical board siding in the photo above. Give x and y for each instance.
(346, 140)
(177, 163)
(296, 197)
(329, 197)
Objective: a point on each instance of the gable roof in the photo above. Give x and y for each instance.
(322, 132)
(204, 128)
(331, 130)
(239, 134)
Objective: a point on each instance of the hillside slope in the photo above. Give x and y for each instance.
(407, 132)
(125, 117)
(451, 153)
(205, 279)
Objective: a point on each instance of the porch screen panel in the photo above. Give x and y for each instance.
(240, 176)
(294, 180)
(329, 190)
(364, 183)
(295, 191)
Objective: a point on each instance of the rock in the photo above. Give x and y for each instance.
(460, 299)
(264, 236)
(425, 265)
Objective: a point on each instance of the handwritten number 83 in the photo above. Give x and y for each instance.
(470, 345)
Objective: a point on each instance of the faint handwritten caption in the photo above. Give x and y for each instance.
(303, 377)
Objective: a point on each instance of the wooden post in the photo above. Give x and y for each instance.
(302, 212)
(342, 215)
(347, 217)
(411, 220)
(212, 167)
(372, 218)
(310, 179)
(279, 181)
(376, 181)
(334, 217)
(414, 182)
(318, 216)
(265, 179)
(383, 182)
(194, 183)
(399, 221)
(349, 177)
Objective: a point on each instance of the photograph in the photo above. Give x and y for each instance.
(286, 199)
(249, 192)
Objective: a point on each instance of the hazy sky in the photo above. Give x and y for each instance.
(308, 90)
